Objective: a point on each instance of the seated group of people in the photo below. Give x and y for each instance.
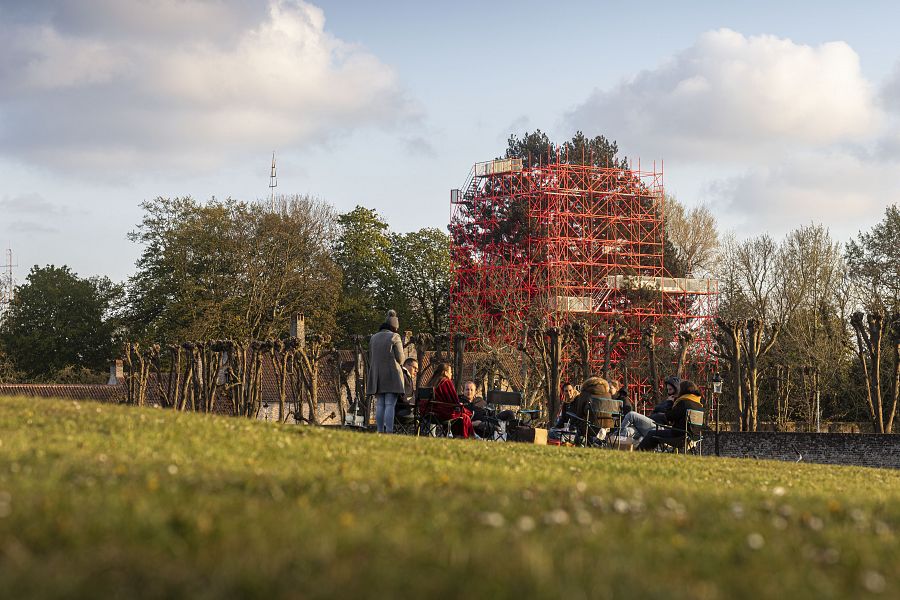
(667, 423)
(391, 381)
(467, 415)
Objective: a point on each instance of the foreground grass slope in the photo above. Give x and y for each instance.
(101, 501)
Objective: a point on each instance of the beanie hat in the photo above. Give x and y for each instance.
(674, 381)
(392, 321)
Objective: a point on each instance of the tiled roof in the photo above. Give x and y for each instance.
(99, 392)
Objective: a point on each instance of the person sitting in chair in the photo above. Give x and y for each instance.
(484, 423)
(470, 398)
(673, 384)
(445, 405)
(595, 387)
(569, 393)
(405, 403)
(619, 391)
(688, 399)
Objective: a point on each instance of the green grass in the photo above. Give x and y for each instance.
(99, 501)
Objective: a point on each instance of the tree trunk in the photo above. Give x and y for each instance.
(685, 338)
(649, 333)
(553, 375)
(734, 333)
(876, 327)
(895, 389)
(856, 320)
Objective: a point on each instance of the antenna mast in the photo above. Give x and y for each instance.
(7, 283)
(273, 182)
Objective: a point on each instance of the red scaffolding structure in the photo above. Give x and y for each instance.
(537, 246)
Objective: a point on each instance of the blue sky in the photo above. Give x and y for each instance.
(774, 116)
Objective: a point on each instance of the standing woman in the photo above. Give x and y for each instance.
(385, 379)
(446, 405)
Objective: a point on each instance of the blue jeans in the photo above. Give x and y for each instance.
(643, 425)
(384, 412)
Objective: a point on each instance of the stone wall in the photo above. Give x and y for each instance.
(865, 450)
(802, 426)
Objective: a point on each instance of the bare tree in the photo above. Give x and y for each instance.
(694, 234)
(730, 342)
(810, 299)
(758, 341)
(871, 330)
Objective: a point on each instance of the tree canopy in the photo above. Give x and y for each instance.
(59, 320)
(232, 269)
(409, 272)
(873, 259)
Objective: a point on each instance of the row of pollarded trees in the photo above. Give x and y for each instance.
(199, 376)
(808, 329)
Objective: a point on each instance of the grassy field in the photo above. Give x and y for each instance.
(99, 501)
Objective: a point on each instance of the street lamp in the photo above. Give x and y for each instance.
(717, 391)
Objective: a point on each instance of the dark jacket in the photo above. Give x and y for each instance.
(564, 411)
(582, 403)
(677, 415)
(385, 359)
(622, 395)
(661, 411)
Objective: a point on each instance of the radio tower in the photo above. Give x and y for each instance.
(7, 283)
(273, 182)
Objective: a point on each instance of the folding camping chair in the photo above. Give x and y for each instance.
(693, 435)
(608, 408)
(496, 401)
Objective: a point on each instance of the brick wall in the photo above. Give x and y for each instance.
(866, 450)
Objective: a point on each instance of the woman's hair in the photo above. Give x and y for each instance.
(595, 386)
(442, 371)
(688, 387)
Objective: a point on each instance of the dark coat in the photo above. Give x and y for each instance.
(622, 395)
(660, 411)
(385, 364)
(582, 402)
(677, 415)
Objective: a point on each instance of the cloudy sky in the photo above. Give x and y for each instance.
(774, 116)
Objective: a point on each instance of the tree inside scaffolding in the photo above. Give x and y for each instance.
(566, 260)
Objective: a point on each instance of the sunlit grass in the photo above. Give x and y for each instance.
(97, 501)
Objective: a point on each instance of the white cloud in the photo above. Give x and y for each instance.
(846, 193)
(732, 97)
(890, 90)
(806, 136)
(30, 204)
(181, 84)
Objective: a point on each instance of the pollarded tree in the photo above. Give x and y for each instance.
(875, 332)
(873, 261)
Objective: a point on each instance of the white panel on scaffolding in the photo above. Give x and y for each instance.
(678, 285)
(495, 167)
(572, 304)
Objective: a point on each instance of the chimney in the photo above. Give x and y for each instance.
(222, 376)
(116, 373)
(298, 327)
